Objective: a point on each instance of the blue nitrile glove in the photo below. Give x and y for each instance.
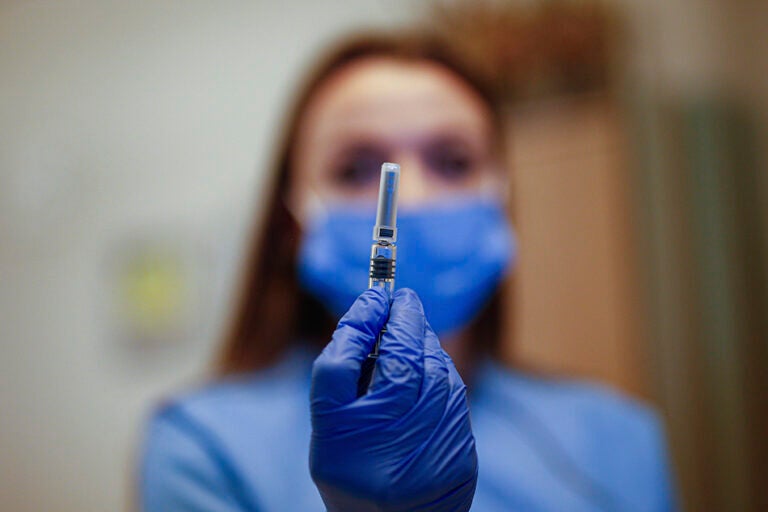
(407, 444)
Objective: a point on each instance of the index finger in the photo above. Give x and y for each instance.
(336, 370)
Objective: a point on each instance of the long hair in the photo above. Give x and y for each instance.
(272, 312)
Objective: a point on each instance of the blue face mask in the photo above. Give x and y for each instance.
(454, 256)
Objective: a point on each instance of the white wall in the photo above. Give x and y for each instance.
(123, 119)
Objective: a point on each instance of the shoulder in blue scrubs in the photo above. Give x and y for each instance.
(543, 445)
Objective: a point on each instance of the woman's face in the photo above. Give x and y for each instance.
(417, 114)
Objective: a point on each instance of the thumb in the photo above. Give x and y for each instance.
(400, 366)
(337, 369)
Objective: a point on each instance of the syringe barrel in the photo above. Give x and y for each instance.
(383, 257)
(386, 212)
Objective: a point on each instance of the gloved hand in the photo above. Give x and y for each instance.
(407, 444)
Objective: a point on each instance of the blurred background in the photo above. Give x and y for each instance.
(133, 137)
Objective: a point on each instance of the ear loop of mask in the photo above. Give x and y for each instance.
(312, 209)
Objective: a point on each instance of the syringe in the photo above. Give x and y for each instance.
(383, 256)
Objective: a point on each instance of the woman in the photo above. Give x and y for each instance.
(243, 442)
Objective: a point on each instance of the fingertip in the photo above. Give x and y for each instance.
(371, 308)
(405, 292)
(408, 298)
(376, 293)
(406, 307)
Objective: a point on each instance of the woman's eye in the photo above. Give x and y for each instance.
(359, 168)
(450, 160)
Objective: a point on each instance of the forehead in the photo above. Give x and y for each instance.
(398, 99)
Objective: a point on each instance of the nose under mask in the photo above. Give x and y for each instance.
(453, 255)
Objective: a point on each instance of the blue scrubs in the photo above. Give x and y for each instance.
(242, 444)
